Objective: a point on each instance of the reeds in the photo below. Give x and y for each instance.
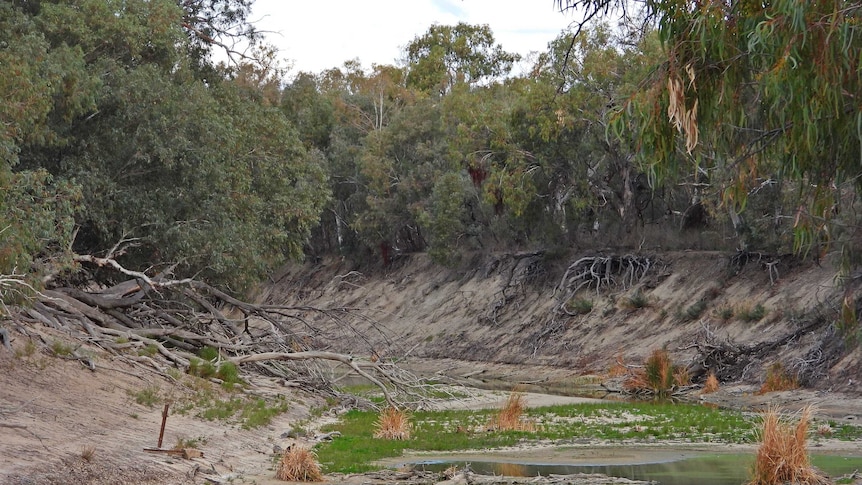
(783, 456)
(393, 424)
(298, 464)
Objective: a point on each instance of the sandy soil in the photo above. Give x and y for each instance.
(53, 410)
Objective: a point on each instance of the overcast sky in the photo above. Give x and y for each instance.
(317, 34)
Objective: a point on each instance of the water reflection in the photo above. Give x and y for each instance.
(724, 469)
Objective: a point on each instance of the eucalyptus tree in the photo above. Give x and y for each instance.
(752, 94)
(199, 172)
(449, 55)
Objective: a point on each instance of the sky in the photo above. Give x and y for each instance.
(315, 35)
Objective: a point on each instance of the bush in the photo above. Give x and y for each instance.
(580, 306)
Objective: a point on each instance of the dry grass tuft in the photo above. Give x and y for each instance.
(782, 456)
(393, 424)
(298, 464)
(711, 384)
(681, 376)
(88, 452)
(777, 379)
(510, 416)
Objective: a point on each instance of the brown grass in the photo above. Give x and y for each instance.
(681, 376)
(510, 416)
(711, 384)
(783, 456)
(298, 464)
(659, 371)
(777, 379)
(393, 424)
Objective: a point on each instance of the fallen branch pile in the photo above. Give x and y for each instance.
(175, 318)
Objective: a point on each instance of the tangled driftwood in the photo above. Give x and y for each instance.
(176, 318)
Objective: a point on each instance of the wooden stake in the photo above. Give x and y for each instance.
(164, 420)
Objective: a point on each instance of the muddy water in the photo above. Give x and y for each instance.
(710, 469)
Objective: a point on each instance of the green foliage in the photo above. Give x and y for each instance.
(754, 93)
(201, 368)
(581, 306)
(248, 412)
(446, 56)
(636, 300)
(36, 221)
(61, 348)
(148, 396)
(446, 219)
(149, 351)
(693, 311)
(110, 120)
(748, 313)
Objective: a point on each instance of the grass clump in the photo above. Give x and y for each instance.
(393, 424)
(88, 452)
(659, 375)
(298, 464)
(149, 351)
(61, 348)
(510, 417)
(783, 456)
(147, 396)
(777, 379)
(710, 385)
(750, 314)
(694, 311)
(636, 301)
(249, 413)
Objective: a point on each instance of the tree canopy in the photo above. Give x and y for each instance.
(751, 94)
(713, 125)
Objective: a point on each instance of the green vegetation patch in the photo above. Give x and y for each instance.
(357, 449)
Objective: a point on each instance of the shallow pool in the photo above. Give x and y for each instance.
(717, 469)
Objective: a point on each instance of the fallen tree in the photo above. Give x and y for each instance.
(176, 318)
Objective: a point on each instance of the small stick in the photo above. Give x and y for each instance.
(164, 420)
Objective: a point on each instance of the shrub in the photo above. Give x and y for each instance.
(581, 306)
(777, 379)
(201, 368)
(298, 464)
(393, 424)
(88, 452)
(681, 377)
(782, 456)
